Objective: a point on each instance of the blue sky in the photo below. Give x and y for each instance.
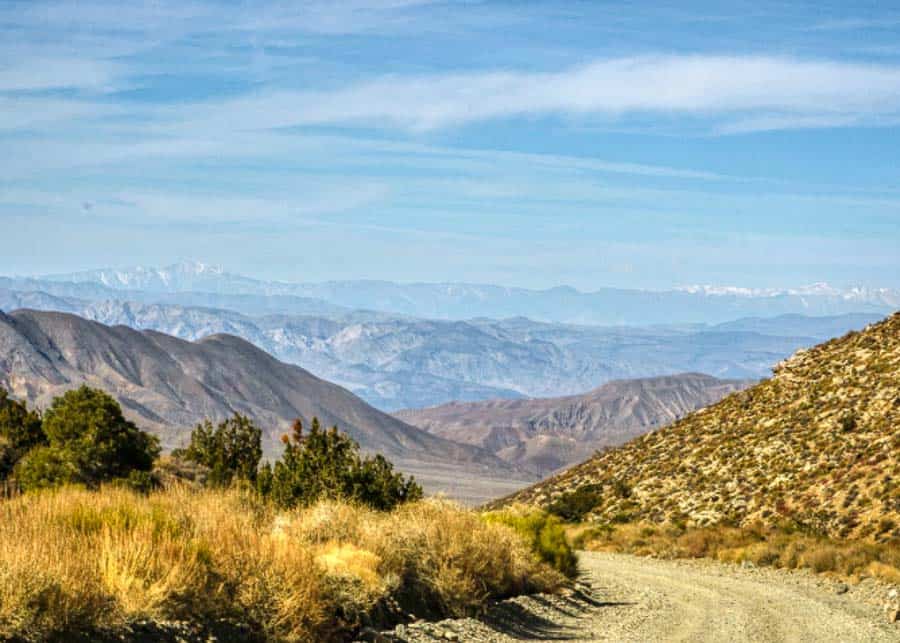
(593, 144)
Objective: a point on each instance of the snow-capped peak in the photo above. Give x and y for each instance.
(144, 277)
(819, 289)
(194, 268)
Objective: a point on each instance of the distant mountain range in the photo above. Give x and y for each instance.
(167, 385)
(400, 362)
(546, 434)
(244, 303)
(363, 335)
(696, 304)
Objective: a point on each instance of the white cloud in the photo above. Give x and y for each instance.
(57, 73)
(18, 113)
(851, 24)
(162, 18)
(567, 163)
(324, 153)
(718, 89)
(310, 201)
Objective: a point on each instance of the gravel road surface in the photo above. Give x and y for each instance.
(629, 599)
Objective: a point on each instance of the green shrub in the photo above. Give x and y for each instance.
(575, 505)
(20, 431)
(327, 465)
(621, 488)
(138, 481)
(848, 422)
(89, 441)
(543, 532)
(43, 467)
(231, 450)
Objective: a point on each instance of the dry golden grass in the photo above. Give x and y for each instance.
(74, 560)
(757, 544)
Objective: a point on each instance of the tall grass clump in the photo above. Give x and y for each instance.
(545, 533)
(77, 561)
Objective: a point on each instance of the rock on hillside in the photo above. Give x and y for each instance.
(167, 385)
(819, 443)
(546, 434)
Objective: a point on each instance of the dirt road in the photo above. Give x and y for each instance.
(629, 599)
(701, 601)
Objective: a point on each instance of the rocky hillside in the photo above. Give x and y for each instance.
(548, 433)
(167, 385)
(818, 444)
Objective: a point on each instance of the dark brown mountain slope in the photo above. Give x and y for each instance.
(818, 444)
(548, 433)
(167, 385)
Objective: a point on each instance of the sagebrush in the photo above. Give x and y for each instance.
(784, 546)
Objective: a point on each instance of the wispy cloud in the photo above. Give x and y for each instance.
(174, 18)
(37, 74)
(335, 154)
(721, 90)
(771, 122)
(24, 112)
(852, 24)
(716, 94)
(171, 207)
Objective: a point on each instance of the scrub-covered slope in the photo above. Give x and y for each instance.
(818, 444)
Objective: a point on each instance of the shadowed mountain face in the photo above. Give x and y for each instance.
(817, 444)
(546, 434)
(167, 385)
